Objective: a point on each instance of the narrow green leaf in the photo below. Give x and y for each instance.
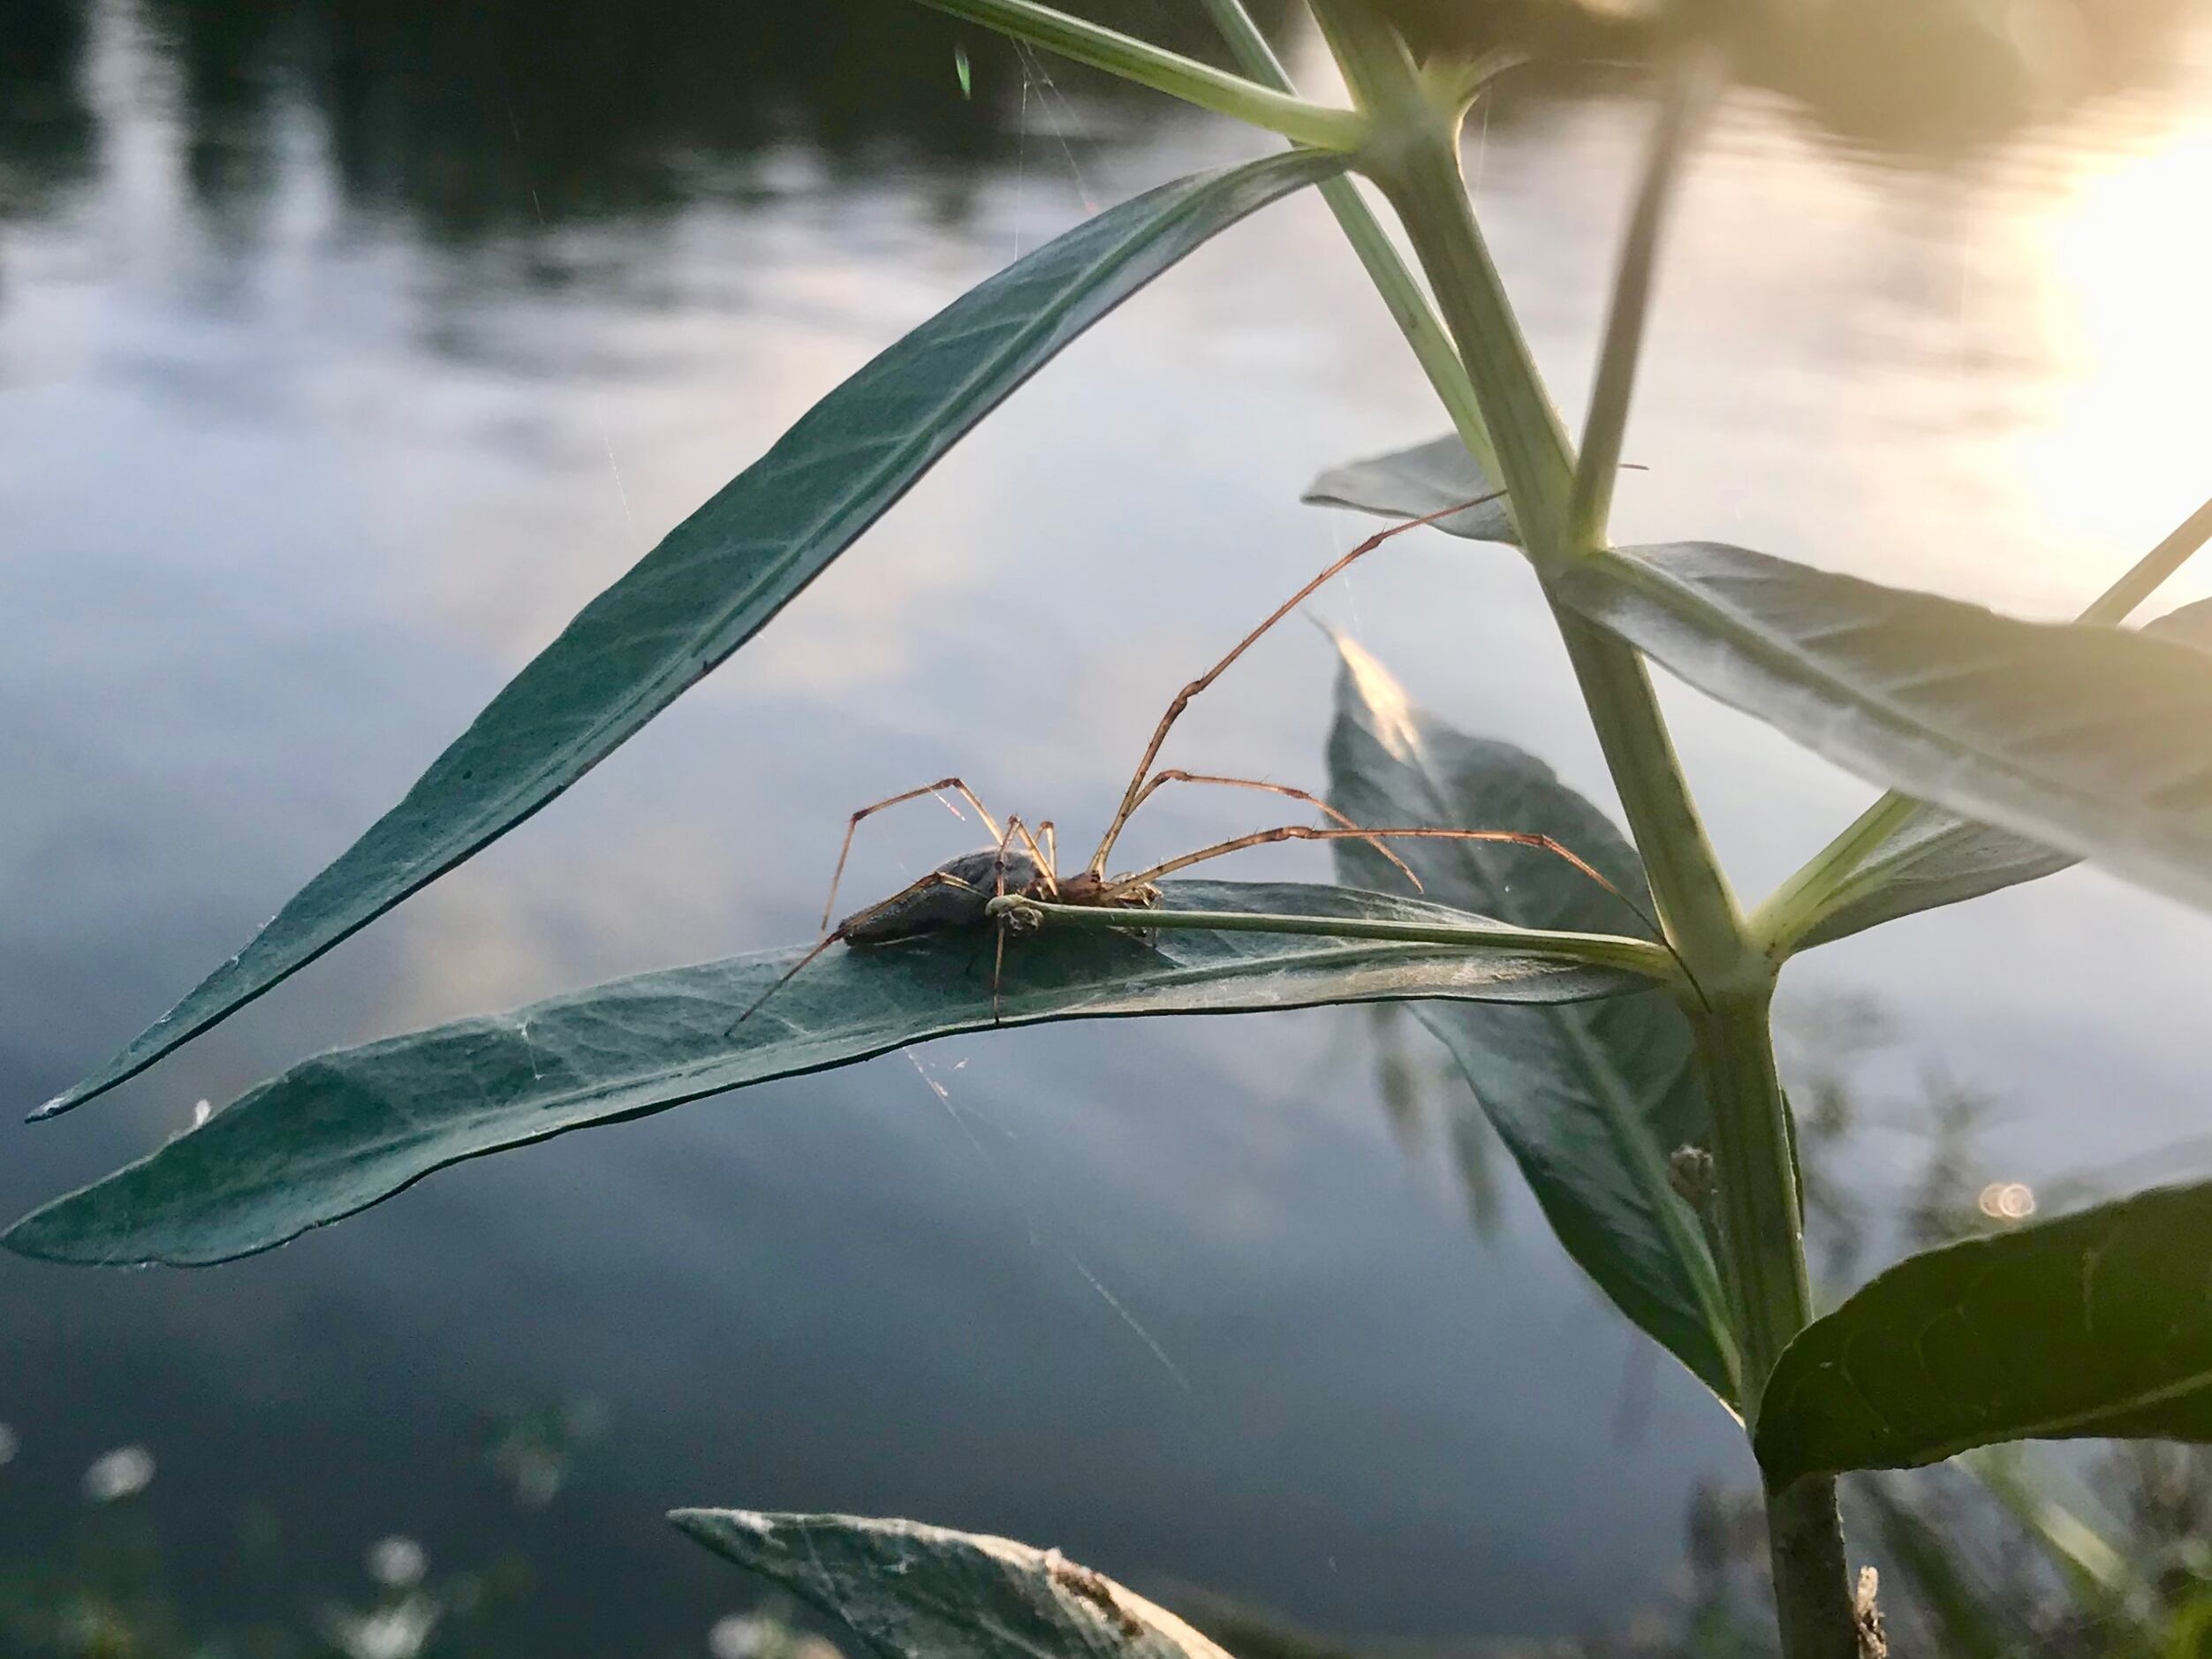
(914, 1592)
(1936, 858)
(337, 1134)
(721, 574)
(1590, 1101)
(2095, 1324)
(1413, 483)
(2089, 739)
(1813, 891)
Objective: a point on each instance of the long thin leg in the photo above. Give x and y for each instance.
(1051, 855)
(936, 878)
(1041, 854)
(1307, 832)
(852, 825)
(1183, 697)
(1175, 775)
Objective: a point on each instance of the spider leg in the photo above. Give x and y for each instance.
(936, 878)
(1175, 775)
(1307, 832)
(1051, 860)
(852, 825)
(1040, 853)
(1183, 697)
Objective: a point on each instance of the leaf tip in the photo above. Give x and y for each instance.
(53, 1108)
(736, 1535)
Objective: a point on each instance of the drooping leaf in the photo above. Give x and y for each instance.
(1413, 483)
(719, 576)
(914, 1592)
(2098, 1324)
(336, 1133)
(1938, 858)
(1590, 1101)
(2089, 739)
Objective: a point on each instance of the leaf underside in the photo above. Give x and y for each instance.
(1588, 1099)
(1936, 858)
(2088, 739)
(2098, 1324)
(337, 1134)
(718, 577)
(1413, 483)
(914, 1592)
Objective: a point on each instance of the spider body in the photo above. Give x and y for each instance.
(957, 898)
(958, 894)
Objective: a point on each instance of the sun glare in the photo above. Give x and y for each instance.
(2128, 315)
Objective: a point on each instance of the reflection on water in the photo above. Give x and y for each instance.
(346, 348)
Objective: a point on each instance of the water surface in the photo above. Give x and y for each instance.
(347, 349)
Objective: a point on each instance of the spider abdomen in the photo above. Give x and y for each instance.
(970, 881)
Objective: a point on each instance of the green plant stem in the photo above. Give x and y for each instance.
(1754, 1168)
(1401, 292)
(1756, 1192)
(1804, 1545)
(1171, 73)
(1796, 907)
(1690, 90)
(1416, 161)
(1533, 456)
(1590, 950)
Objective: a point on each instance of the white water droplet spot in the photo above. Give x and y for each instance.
(736, 1637)
(124, 1472)
(396, 1563)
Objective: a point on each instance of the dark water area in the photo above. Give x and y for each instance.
(348, 346)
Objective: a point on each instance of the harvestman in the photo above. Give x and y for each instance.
(959, 892)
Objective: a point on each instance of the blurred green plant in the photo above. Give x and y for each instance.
(109, 1590)
(1617, 1031)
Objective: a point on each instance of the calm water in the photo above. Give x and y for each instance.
(347, 349)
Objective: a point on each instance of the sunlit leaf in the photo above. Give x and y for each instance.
(720, 575)
(1936, 858)
(1590, 1101)
(1413, 483)
(2088, 739)
(909, 1591)
(337, 1134)
(2099, 1323)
